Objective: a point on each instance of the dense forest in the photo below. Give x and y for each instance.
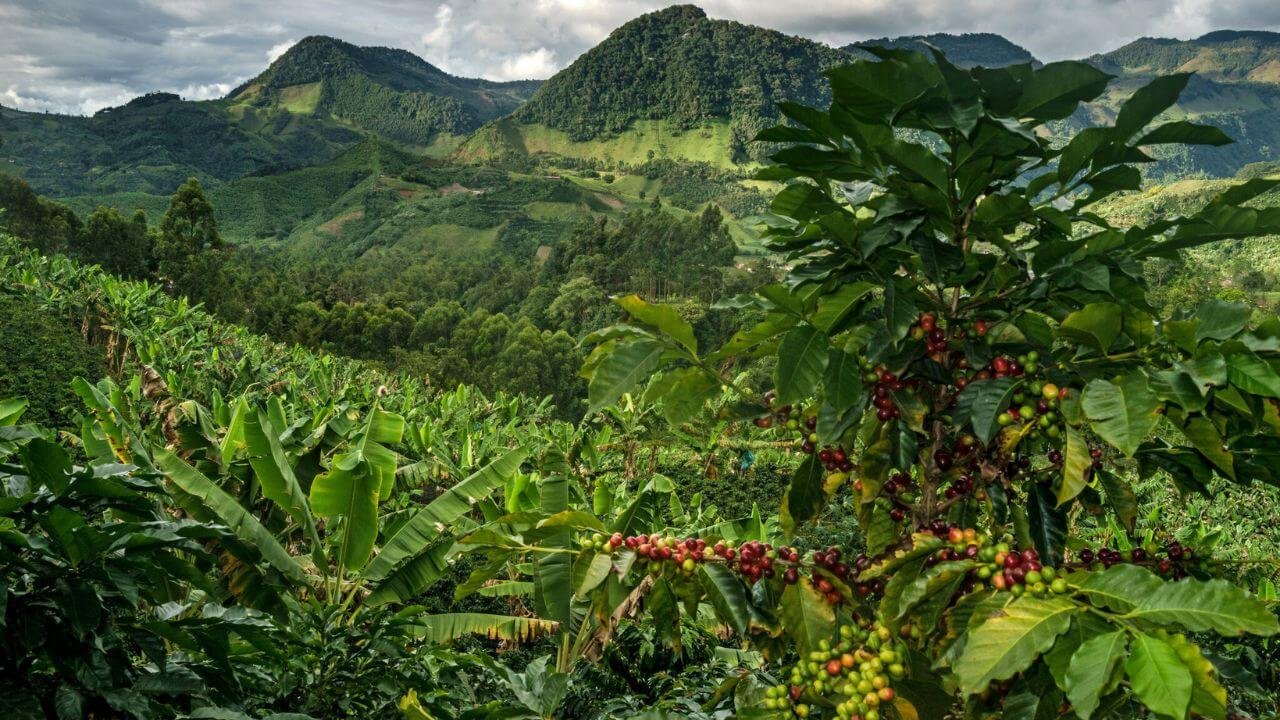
(390, 93)
(679, 66)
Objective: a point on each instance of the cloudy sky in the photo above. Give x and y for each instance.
(81, 55)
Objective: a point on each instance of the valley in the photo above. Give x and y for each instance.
(346, 177)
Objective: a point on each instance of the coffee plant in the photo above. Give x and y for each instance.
(105, 603)
(966, 362)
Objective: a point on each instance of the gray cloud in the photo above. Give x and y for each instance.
(81, 55)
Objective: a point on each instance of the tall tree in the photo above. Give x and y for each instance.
(43, 224)
(187, 230)
(120, 246)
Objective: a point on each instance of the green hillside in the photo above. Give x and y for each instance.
(387, 92)
(1250, 56)
(672, 84)
(681, 68)
(676, 84)
(155, 142)
(1236, 86)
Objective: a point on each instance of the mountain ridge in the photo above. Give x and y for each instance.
(963, 49)
(671, 84)
(1221, 55)
(373, 59)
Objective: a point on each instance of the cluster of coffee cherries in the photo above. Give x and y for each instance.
(901, 490)
(1001, 566)
(835, 459)
(935, 338)
(1055, 458)
(960, 487)
(793, 419)
(600, 541)
(780, 415)
(685, 553)
(855, 674)
(965, 543)
(831, 560)
(882, 396)
(1174, 560)
(1016, 465)
(752, 560)
(1005, 366)
(1039, 405)
(1020, 572)
(964, 452)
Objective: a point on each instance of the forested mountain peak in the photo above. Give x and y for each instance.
(309, 60)
(385, 91)
(679, 66)
(1222, 55)
(319, 57)
(965, 50)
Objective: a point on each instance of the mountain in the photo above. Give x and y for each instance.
(381, 91)
(966, 50)
(320, 98)
(155, 142)
(1226, 56)
(1236, 86)
(670, 83)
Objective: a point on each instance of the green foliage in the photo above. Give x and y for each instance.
(155, 142)
(689, 186)
(324, 663)
(926, 188)
(122, 247)
(651, 253)
(187, 229)
(40, 223)
(41, 355)
(106, 609)
(1011, 640)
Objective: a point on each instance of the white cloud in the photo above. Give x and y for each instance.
(279, 49)
(208, 91)
(538, 63)
(437, 41)
(84, 100)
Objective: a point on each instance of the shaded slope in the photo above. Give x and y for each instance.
(965, 50)
(1223, 56)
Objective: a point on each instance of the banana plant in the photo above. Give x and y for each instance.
(196, 355)
(302, 498)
